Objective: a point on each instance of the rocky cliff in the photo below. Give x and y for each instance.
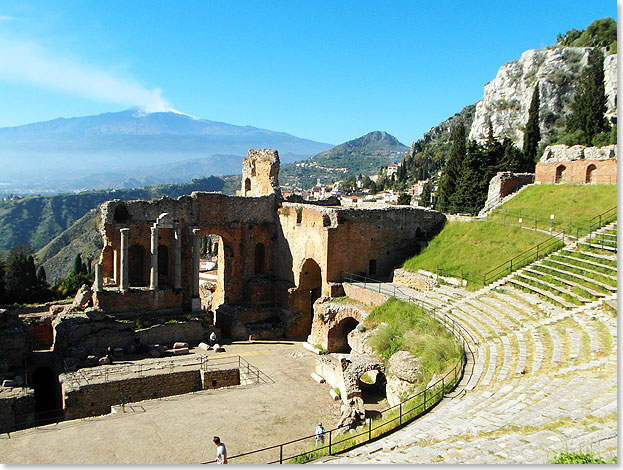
(507, 98)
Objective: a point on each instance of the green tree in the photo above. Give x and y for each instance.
(589, 101)
(2, 282)
(425, 196)
(532, 135)
(404, 199)
(41, 276)
(452, 170)
(79, 266)
(21, 282)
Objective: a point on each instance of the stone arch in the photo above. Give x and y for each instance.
(260, 254)
(590, 173)
(247, 186)
(560, 173)
(48, 396)
(308, 291)
(136, 266)
(337, 337)
(225, 259)
(372, 384)
(163, 265)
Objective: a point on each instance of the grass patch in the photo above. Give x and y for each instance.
(574, 458)
(471, 249)
(404, 326)
(571, 204)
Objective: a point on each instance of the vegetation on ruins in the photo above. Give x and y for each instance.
(403, 326)
(575, 458)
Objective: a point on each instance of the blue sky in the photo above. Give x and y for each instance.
(328, 71)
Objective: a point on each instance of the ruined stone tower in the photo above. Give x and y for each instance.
(260, 173)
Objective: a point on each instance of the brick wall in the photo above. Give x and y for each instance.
(576, 171)
(364, 295)
(96, 398)
(220, 378)
(17, 411)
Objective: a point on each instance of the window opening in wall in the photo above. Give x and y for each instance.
(372, 267)
(121, 214)
(259, 258)
(247, 186)
(337, 338)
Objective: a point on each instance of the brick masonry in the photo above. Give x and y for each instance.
(577, 164)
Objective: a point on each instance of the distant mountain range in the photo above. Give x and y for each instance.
(132, 148)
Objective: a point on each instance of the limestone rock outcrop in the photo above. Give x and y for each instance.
(507, 97)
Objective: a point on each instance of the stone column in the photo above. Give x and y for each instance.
(195, 270)
(98, 284)
(123, 275)
(153, 274)
(177, 258)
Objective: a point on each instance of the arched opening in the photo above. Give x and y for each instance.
(136, 266)
(337, 338)
(259, 258)
(211, 272)
(121, 214)
(372, 384)
(48, 399)
(590, 173)
(247, 186)
(253, 169)
(309, 288)
(560, 173)
(372, 267)
(163, 265)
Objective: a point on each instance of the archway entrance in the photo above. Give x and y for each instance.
(372, 385)
(310, 288)
(48, 399)
(163, 265)
(337, 337)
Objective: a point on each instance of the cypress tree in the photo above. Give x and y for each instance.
(41, 276)
(589, 101)
(532, 136)
(472, 186)
(77, 264)
(425, 196)
(452, 170)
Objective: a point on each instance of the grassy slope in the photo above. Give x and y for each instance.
(578, 203)
(472, 248)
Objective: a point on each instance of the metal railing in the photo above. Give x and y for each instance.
(342, 438)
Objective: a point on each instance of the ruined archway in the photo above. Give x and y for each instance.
(48, 397)
(309, 289)
(136, 266)
(560, 173)
(372, 384)
(337, 337)
(590, 173)
(247, 186)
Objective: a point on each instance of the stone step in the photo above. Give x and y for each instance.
(589, 262)
(592, 292)
(560, 264)
(499, 321)
(546, 293)
(597, 246)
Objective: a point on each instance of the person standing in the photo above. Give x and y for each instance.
(221, 451)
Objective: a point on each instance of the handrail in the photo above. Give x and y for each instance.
(429, 397)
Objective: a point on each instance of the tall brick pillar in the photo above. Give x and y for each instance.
(124, 268)
(153, 273)
(99, 283)
(177, 259)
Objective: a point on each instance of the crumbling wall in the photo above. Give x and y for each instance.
(327, 316)
(17, 410)
(260, 173)
(578, 165)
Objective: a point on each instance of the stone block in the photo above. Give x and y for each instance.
(218, 348)
(179, 351)
(334, 395)
(317, 378)
(179, 345)
(204, 346)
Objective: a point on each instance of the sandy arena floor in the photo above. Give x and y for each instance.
(179, 429)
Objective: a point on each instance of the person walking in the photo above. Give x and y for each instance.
(221, 451)
(320, 434)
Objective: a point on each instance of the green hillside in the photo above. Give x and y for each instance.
(470, 249)
(36, 220)
(364, 155)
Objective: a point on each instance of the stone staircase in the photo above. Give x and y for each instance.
(544, 378)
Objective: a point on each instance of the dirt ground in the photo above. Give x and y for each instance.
(179, 429)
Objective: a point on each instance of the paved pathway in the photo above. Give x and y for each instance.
(544, 381)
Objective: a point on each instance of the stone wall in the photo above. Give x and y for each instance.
(17, 410)
(40, 328)
(118, 302)
(416, 281)
(220, 378)
(365, 296)
(577, 164)
(95, 399)
(260, 173)
(504, 183)
(327, 322)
